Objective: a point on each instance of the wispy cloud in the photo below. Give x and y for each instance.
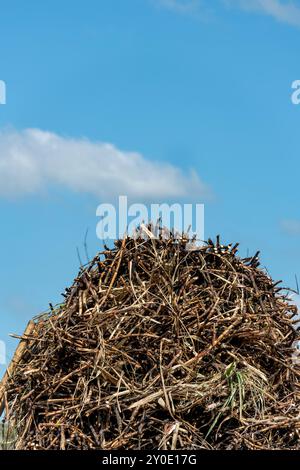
(199, 9)
(286, 11)
(32, 160)
(181, 6)
(291, 226)
(281, 10)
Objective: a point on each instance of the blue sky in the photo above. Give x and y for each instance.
(135, 97)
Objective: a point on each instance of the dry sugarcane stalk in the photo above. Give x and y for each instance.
(160, 346)
(14, 362)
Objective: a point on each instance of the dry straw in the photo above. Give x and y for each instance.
(160, 347)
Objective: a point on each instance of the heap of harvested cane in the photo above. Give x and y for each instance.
(160, 346)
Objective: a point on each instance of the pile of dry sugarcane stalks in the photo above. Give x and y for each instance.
(160, 346)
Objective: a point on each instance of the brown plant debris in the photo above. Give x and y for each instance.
(160, 346)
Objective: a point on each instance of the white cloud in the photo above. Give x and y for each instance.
(182, 6)
(281, 10)
(32, 160)
(286, 11)
(200, 9)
